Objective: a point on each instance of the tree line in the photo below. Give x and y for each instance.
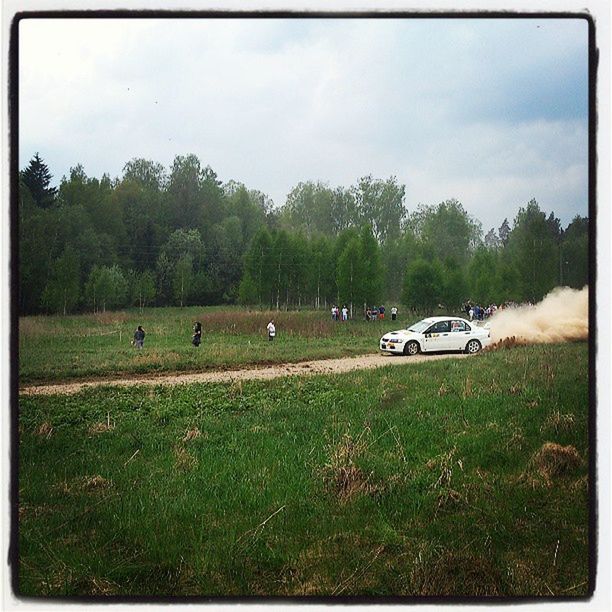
(183, 237)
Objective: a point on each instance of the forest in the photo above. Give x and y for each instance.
(180, 236)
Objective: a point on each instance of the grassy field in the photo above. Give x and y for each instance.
(464, 477)
(59, 348)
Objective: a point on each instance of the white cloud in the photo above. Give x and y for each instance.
(453, 108)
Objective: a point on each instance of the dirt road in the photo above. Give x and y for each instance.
(325, 366)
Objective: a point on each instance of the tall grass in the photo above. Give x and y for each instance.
(440, 478)
(99, 344)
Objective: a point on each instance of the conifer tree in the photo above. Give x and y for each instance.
(36, 177)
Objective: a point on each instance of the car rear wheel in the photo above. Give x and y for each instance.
(411, 348)
(473, 346)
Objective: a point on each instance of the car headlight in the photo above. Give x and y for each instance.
(397, 340)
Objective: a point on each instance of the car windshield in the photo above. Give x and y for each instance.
(421, 326)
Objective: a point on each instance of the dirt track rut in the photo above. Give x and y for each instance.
(324, 366)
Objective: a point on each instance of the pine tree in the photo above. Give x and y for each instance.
(504, 232)
(36, 177)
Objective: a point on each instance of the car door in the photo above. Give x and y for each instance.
(437, 337)
(460, 333)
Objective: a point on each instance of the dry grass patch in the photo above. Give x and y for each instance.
(57, 581)
(87, 484)
(444, 464)
(101, 586)
(516, 438)
(551, 462)
(582, 484)
(32, 511)
(341, 475)
(183, 459)
(44, 430)
(191, 434)
(450, 573)
(101, 427)
(505, 343)
(96, 483)
(516, 389)
(559, 422)
(110, 318)
(448, 500)
(322, 568)
(523, 577)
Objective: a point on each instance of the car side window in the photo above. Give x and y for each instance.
(458, 326)
(441, 327)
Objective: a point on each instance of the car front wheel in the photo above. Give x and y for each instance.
(411, 348)
(473, 346)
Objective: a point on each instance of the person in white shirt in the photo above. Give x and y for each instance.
(393, 313)
(344, 313)
(271, 330)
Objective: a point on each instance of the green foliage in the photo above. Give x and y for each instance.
(352, 275)
(106, 288)
(380, 204)
(483, 274)
(247, 292)
(309, 208)
(141, 288)
(446, 230)
(455, 287)
(182, 279)
(372, 283)
(574, 254)
(258, 268)
(322, 271)
(61, 292)
(423, 286)
(533, 252)
(397, 255)
(242, 248)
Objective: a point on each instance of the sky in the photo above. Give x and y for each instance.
(492, 112)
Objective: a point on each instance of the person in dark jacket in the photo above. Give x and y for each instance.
(197, 334)
(139, 336)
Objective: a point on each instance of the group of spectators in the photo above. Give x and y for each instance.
(339, 314)
(477, 312)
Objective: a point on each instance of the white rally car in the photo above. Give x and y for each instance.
(437, 334)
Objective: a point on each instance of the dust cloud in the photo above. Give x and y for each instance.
(562, 316)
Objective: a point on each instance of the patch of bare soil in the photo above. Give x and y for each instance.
(324, 366)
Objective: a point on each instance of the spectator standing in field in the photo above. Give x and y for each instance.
(139, 336)
(374, 313)
(197, 334)
(271, 330)
(333, 313)
(381, 313)
(393, 313)
(344, 313)
(471, 313)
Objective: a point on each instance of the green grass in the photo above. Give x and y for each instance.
(60, 348)
(406, 480)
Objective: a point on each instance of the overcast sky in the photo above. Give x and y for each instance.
(491, 112)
